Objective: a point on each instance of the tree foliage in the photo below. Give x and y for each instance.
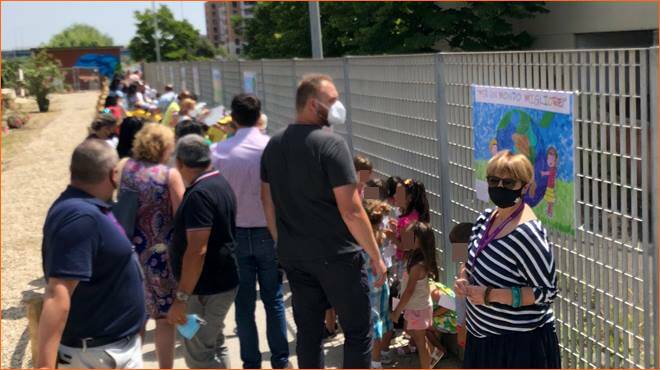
(42, 75)
(80, 35)
(281, 29)
(178, 40)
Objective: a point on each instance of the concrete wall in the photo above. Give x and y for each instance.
(557, 29)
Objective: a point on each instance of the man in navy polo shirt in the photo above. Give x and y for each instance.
(94, 305)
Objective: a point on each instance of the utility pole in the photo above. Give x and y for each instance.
(156, 39)
(315, 27)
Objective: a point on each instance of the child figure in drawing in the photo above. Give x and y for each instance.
(551, 173)
(492, 147)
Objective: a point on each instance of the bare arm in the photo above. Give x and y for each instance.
(176, 188)
(269, 209)
(418, 272)
(357, 221)
(57, 301)
(193, 259)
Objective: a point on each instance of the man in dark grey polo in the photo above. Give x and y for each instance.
(315, 213)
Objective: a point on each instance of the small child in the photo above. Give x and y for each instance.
(380, 308)
(364, 170)
(459, 236)
(415, 302)
(415, 207)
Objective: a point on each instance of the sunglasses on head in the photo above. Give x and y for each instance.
(494, 181)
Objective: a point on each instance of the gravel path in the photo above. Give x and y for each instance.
(34, 173)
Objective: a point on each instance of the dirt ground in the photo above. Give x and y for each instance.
(34, 172)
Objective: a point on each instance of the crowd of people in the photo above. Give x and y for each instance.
(171, 218)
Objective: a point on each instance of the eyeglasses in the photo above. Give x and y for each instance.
(494, 181)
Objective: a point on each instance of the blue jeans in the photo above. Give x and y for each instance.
(257, 260)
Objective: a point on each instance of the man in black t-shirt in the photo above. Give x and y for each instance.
(202, 254)
(314, 211)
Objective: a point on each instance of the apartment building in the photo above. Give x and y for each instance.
(220, 23)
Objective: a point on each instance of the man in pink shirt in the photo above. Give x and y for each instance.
(238, 159)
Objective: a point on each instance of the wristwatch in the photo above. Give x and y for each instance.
(181, 296)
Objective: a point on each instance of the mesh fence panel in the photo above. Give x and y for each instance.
(606, 309)
(603, 310)
(279, 77)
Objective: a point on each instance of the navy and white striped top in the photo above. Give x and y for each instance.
(522, 258)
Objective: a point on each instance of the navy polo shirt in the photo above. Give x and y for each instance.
(83, 242)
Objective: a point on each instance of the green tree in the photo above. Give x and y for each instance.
(280, 30)
(42, 76)
(179, 40)
(79, 35)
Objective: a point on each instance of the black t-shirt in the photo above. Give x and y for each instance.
(302, 164)
(83, 241)
(208, 203)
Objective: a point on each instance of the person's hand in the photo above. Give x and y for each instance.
(475, 293)
(460, 287)
(379, 268)
(394, 316)
(177, 313)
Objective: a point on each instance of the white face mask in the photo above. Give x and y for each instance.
(336, 113)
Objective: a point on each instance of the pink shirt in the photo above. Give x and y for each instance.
(239, 160)
(403, 223)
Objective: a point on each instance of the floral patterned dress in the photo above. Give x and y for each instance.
(154, 227)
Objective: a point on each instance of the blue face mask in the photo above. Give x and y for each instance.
(190, 328)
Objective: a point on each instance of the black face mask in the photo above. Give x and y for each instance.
(503, 197)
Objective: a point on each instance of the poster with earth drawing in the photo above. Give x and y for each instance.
(538, 124)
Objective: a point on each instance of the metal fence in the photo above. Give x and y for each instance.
(411, 115)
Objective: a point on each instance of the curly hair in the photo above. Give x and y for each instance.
(376, 211)
(151, 142)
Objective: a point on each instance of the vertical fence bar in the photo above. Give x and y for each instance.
(443, 164)
(264, 108)
(347, 100)
(651, 322)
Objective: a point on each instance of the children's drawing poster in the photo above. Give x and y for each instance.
(216, 77)
(195, 73)
(538, 124)
(249, 82)
(183, 78)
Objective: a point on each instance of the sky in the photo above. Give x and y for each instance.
(27, 24)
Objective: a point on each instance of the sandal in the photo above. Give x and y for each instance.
(436, 356)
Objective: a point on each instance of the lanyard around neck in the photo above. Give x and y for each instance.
(488, 237)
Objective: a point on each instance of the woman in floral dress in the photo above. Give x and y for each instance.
(160, 191)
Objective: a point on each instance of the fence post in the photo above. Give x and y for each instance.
(263, 87)
(347, 100)
(240, 77)
(655, 203)
(294, 78)
(442, 135)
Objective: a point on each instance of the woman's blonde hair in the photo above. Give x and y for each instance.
(151, 142)
(516, 166)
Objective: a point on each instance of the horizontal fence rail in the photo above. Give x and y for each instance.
(412, 116)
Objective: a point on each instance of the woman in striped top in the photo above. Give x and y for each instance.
(509, 279)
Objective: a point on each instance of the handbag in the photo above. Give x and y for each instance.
(126, 207)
